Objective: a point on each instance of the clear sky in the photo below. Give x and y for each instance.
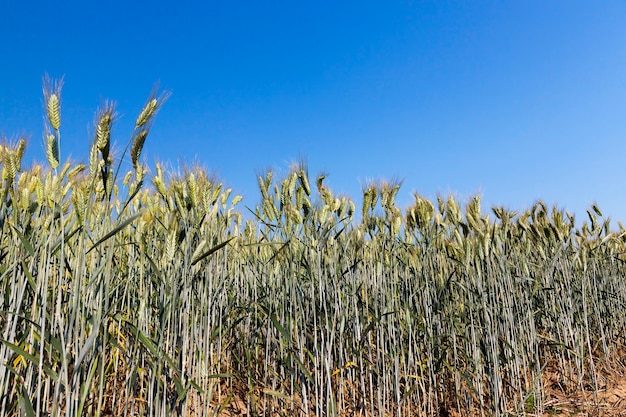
(516, 100)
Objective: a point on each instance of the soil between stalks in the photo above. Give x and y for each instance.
(609, 401)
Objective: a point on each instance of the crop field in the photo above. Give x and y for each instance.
(127, 291)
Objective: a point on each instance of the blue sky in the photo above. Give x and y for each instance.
(518, 100)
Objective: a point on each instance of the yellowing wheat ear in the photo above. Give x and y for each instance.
(151, 107)
(147, 112)
(52, 150)
(143, 124)
(52, 97)
(52, 102)
(53, 110)
(105, 118)
(136, 148)
(21, 147)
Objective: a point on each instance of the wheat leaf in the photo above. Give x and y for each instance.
(115, 230)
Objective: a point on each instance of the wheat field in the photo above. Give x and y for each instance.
(140, 292)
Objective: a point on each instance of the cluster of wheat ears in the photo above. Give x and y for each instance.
(148, 294)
